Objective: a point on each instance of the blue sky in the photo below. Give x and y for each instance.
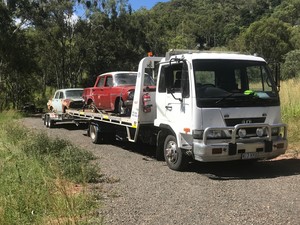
(137, 4)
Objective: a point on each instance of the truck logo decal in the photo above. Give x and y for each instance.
(246, 121)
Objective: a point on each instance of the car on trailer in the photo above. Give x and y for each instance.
(70, 98)
(63, 99)
(114, 91)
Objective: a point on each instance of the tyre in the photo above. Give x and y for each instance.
(174, 156)
(94, 134)
(51, 123)
(159, 151)
(91, 105)
(45, 119)
(119, 106)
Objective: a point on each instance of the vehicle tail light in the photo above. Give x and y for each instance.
(147, 103)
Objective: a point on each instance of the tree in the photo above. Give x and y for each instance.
(269, 38)
(16, 62)
(291, 66)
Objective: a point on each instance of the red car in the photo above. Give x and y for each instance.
(114, 91)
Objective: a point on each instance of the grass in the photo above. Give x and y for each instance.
(290, 106)
(43, 181)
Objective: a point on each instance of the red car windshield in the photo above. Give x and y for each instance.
(129, 79)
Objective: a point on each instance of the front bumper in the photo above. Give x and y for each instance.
(236, 148)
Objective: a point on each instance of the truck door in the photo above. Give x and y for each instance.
(174, 95)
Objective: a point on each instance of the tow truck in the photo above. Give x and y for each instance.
(208, 106)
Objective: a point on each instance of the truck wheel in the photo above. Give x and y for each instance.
(94, 134)
(175, 158)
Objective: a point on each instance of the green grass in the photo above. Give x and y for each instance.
(43, 181)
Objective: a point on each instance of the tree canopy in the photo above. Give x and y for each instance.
(44, 45)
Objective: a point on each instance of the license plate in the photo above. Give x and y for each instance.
(250, 155)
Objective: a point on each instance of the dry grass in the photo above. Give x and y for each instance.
(290, 105)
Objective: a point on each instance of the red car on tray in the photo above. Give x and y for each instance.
(114, 91)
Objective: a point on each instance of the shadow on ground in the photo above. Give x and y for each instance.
(247, 170)
(228, 170)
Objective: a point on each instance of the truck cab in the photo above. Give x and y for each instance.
(217, 107)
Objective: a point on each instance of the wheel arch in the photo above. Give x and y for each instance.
(89, 101)
(164, 131)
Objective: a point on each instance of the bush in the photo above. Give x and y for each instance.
(291, 66)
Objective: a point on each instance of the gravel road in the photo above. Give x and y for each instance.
(141, 190)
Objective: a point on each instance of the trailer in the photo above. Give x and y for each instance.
(207, 107)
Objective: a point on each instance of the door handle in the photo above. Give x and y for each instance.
(168, 107)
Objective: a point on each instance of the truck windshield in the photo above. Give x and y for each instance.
(126, 79)
(233, 83)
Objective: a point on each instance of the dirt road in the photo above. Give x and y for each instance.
(142, 190)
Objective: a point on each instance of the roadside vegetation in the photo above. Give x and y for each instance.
(290, 105)
(43, 181)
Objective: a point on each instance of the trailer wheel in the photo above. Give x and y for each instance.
(49, 122)
(94, 134)
(174, 156)
(45, 120)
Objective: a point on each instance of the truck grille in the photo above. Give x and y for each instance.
(233, 122)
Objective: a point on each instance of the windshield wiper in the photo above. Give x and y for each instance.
(225, 97)
(240, 96)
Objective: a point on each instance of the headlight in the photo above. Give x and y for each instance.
(278, 131)
(242, 133)
(216, 134)
(198, 134)
(130, 95)
(275, 131)
(260, 132)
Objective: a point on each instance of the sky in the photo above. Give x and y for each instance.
(137, 4)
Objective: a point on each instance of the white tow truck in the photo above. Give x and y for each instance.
(207, 107)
